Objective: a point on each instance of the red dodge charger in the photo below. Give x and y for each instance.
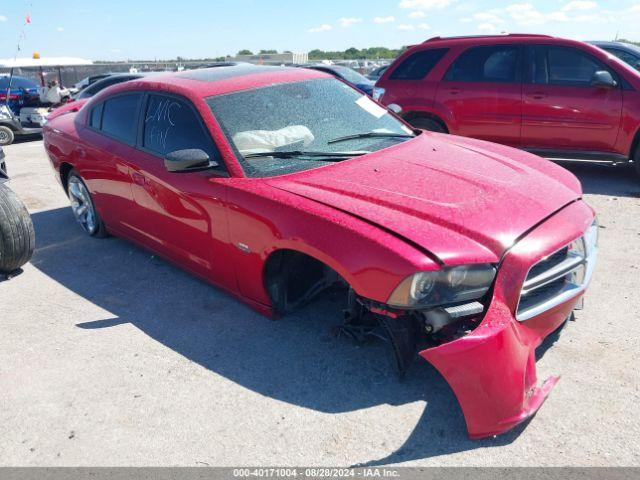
(277, 184)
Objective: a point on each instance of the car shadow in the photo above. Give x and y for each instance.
(599, 179)
(295, 359)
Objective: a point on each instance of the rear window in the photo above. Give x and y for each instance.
(120, 115)
(418, 65)
(496, 64)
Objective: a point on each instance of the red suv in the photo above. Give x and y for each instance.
(561, 99)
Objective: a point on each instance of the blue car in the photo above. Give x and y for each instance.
(350, 76)
(24, 91)
(627, 52)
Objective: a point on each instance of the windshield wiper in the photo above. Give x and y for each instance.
(370, 135)
(326, 156)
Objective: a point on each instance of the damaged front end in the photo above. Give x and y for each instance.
(480, 326)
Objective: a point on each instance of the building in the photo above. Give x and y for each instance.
(272, 58)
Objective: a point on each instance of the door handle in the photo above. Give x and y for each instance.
(81, 152)
(538, 95)
(454, 91)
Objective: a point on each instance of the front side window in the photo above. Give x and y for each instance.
(171, 124)
(564, 66)
(493, 64)
(268, 126)
(418, 65)
(120, 115)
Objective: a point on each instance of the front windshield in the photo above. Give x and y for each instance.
(311, 116)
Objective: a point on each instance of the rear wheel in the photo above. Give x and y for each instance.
(636, 161)
(83, 207)
(6, 136)
(426, 123)
(17, 237)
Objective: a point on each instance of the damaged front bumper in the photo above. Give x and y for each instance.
(492, 370)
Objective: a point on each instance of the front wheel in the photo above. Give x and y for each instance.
(17, 237)
(6, 136)
(83, 207)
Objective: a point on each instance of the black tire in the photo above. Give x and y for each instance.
(636, 161)
(17, 236)
(99, 230)
(6, 136)
(426, 123)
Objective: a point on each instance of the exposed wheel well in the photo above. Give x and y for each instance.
(411, 116)
(65, 168)
(293, 278)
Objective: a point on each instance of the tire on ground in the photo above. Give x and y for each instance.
(636, 160)
(17, 236)
(6, 136)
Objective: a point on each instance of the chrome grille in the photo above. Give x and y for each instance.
(558, 277)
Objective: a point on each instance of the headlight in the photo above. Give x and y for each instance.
(443, 287)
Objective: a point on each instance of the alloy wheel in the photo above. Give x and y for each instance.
(82, 206)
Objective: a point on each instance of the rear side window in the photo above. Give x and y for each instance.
(498, 64)
(564, 66)
(95, 120)
(119, 117)
(418, 65)
(172, 124)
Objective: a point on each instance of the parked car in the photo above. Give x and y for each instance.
(375, 75)
(276, 184)
(17, 236)
(561, 99)
(627, 52)
(90, 80)
(93, 89)
(348, 75)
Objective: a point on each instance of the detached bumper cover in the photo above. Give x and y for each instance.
(492, 370)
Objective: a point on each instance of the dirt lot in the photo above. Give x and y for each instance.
(110, 356)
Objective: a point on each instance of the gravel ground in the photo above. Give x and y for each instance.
(112, 357)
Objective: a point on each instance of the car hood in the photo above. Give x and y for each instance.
(463, 200)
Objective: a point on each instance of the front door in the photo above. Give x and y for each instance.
(561, 109)
(483, 92)
(181, 215)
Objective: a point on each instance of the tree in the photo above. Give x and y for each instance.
(245, 52)
(268, 52)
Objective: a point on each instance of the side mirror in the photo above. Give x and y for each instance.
(188, 160)
(603, 79)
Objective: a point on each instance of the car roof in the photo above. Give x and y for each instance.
(485, 39)
(226, 78)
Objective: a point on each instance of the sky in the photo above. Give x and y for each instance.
(150, 29)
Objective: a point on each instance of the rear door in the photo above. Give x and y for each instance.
(104, 150)
(561, 109)
(482, 91)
